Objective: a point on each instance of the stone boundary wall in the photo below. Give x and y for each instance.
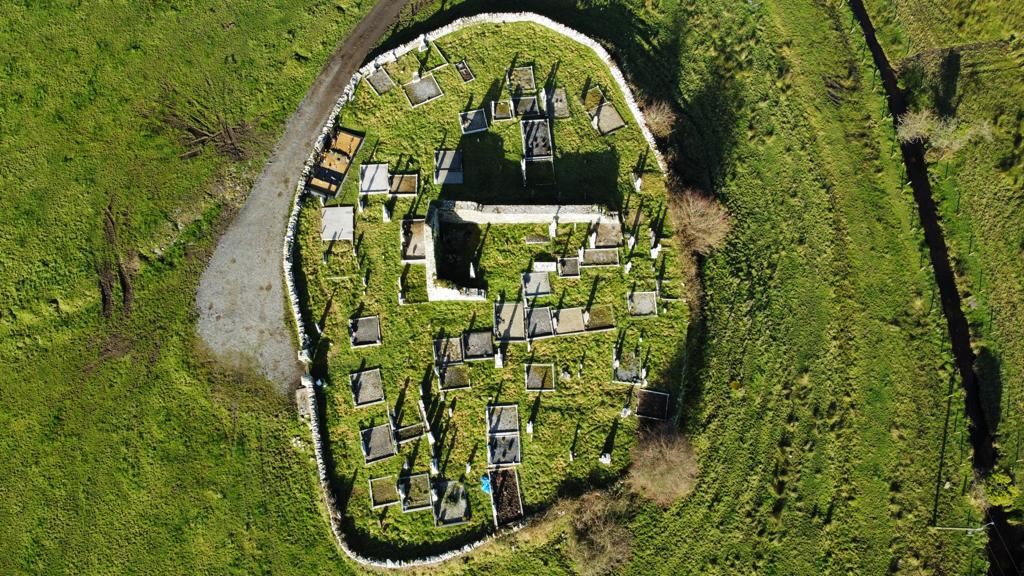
(460, 211)
(288, 248)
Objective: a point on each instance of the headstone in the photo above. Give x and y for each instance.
(592, 240)
(605, 459)
(655, 251)
(387, 213)
(498, 361)
(433, 466)
(631, 243)
(529, 427)
(627, 268)
(424, 45)
(472, 270)
(637, 180)
(450, 411)
(430, 437)
(553, 228)
(469, 467)
(626, 412)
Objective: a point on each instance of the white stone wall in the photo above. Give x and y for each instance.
(476, 213)
(293, 220)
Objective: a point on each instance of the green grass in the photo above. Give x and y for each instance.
(407, 137)
(978, 188)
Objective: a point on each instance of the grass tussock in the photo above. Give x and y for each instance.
(664, 468)
(661, 119)
(599, 541)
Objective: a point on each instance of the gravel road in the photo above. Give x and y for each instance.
(241, 301)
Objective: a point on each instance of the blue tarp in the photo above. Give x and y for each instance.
(485, 484)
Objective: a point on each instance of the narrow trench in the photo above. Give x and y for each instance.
(1005, 541)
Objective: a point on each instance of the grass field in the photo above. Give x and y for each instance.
(582, 412)
(979, 187)
(817, 401)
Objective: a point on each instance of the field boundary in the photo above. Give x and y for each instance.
(305, 342)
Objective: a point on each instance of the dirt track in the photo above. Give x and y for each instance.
(241, 301)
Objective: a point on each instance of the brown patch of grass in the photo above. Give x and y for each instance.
(660, 117)
(664, 468)
(599, 540)
(702, 220)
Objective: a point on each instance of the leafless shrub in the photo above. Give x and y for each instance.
(944, 136)
(664, 467)
(702, 220)
(599, 542)
(661, 119)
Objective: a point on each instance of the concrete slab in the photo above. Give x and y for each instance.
(374, 179)
(478, 345)
(606, 119)
(540, 377)
(380, 81)
(509, 321)
(558, 104)
(421, 91)
(447, 167)
(377, 443)
(539, 323)
(473, 121)
(503, 450)
(569, 321)
(569, 267)
(609, 233)
(367, 387)
(448, 351)
(642, 303)
(536, 284)
(451, 504)
(364, 331)
(338, 223)
(502, 418)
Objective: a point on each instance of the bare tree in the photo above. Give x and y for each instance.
(664, 467)
(943, 136)
(599, 541)
(703, 221)
(661, 119)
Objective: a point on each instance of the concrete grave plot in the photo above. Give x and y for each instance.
(411, 432)
(374, 179)
(569, 321)
(503, 449)
(536, 284)
(447, 167)
(414, 491)
(377, 443)
(527, 106)
(544, 265)
(569, 267)
(414, 241)
(502, 110)
(642, 303)
(652, 404)
(453, 377)
(506, 500)
(364, 331)
(383, 492)
(502, 418)
(597, 257)
(520, 80)
(540, 377)
(536, 136)
(558, 104)
(539, 172)
(451, 504)
(539, 323)
(380, 81)
(606, 119)
(367, 387)
(478, 345)
(464, 71)
(608, 233)
(509, 321)
(448, 351)
(627, 368)
(473, 121)
(338, 223)
(421, 91)
(407, 184)
(600, 318)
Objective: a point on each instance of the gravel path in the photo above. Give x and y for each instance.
(241, 301)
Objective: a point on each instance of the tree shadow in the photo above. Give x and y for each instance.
(988, 367)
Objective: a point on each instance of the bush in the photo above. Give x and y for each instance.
(703, 220)
(661, 119)
(599, 542)
(664, 467)
(944, 136)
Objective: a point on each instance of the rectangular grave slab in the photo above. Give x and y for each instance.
(605, 119)
(520, 80)
(405, 184)
(448, 351)
(540, 377)
(473, 121)
(536, 135)
(338, 223)
(451, 504)
(558, 104)
(422, 91)
(478, 345)
(601, 317)
(596, 257)
(502, 110)
(652, 404)
(453, 377)
(509, 321)
(374, 179)
(464, 71)
(642, 303)
(380, 81)
(539, 323)
(527, 106)
(609, 233)
(447, 167)
(410, 432)
(569, 321)
(536, 284)
(628, 369)
(364, 331)
(506, 499)
(377, 443)
(383, 492)
(502, 418)
(503, 450)
(569, 267)
(367, 387)
(415, 492)
(544, 266)
(414, 240)
(539, 172)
